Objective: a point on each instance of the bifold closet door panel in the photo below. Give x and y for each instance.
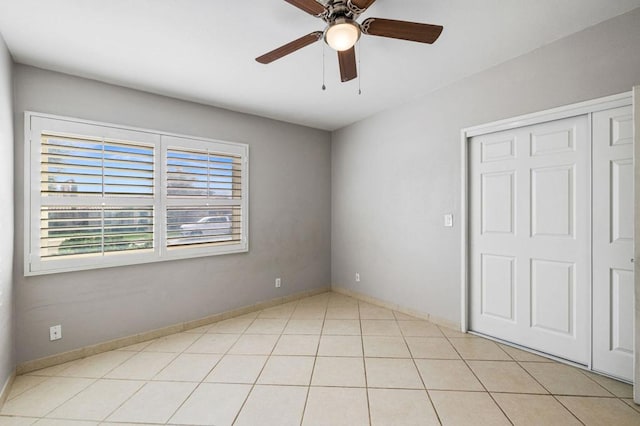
(613, 278)
(529, 234)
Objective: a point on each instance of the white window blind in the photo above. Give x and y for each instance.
(96, 196)
(203, 174)
(105, 195)
(74, 166)
(204, 191)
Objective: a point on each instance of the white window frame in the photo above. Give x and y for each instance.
(33, 265)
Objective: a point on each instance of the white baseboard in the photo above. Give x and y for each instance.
(4, 393)
(122, 342)
(395, 307)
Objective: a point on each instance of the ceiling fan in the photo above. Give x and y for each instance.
(343, 31)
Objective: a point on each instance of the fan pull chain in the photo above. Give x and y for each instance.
(324, 87)
(359, 69)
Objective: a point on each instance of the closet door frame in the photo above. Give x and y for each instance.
(636, 221)
(588, 107)
(573, 110)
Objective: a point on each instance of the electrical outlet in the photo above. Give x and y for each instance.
(55, 332)
(357, 277)
(278, 282)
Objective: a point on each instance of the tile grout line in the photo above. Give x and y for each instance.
(553, 395)
(163, 368)
(95, 380)
(253, 385)
(478, 379)
(449, 339)
(584, 373)
(45, 379)
(315, 359)
(547, 361)
(550, 360)
(103, 378)
(364, 365)
(206, 333)
(567, 408)
(151, 381)
(68, 399)
(424, 385)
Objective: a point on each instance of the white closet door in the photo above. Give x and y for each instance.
(613, 283)
(529, 230)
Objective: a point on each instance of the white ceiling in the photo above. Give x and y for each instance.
(204, 50)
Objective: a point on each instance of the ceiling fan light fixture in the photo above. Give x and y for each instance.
(343, 31)
(342, 34)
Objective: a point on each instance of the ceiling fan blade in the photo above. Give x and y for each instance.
(312, 7)
(347, 60)
(288, 48)
(360, 5)
(403, 30)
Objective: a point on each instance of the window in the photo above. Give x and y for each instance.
(103, 195)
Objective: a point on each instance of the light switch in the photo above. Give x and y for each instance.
(448, 220)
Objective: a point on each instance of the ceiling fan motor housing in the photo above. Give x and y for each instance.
(341, 9)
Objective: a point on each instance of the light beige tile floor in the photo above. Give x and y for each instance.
(326, 360)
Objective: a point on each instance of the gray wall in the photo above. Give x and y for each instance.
(395, 174)
(290, 227)
(6, 216)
